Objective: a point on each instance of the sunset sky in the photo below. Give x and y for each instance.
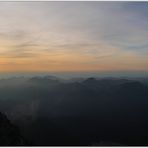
(73, 36)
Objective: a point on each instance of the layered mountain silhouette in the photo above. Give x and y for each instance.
(78, 112)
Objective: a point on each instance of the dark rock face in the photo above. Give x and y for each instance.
(9, 133)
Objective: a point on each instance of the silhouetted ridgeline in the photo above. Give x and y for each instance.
(94, 111)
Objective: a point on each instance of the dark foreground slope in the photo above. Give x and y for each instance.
(9, 133)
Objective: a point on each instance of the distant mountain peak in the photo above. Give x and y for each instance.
(44, 77)
(89, 80)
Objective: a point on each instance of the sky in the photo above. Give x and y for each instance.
(73, 36)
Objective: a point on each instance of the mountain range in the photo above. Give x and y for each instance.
(77, 112)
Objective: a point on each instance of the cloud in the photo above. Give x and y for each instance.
(92, 33)
(19, 55)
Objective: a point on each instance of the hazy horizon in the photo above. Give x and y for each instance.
(69, 75)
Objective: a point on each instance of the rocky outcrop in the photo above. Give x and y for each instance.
(9, 133)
